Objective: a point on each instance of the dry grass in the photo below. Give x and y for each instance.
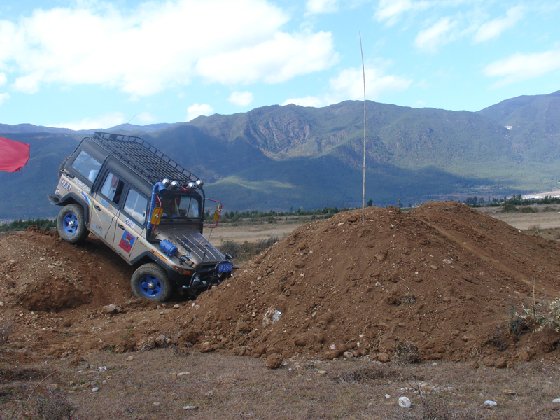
(159, 383)
(24, 395)
(5, 331)
(244, 251)
(406, 353)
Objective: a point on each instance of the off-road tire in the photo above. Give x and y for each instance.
(151, 282)
(71, 223)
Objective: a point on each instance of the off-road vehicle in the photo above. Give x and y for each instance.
(144, 206)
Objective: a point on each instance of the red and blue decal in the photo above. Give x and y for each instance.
(127, 241)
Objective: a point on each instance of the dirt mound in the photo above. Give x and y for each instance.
(441, 280)
(43, 273)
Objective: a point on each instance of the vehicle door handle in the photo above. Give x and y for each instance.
(96, 207)
(120, 226)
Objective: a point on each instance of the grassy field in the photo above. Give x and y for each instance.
(543, 217)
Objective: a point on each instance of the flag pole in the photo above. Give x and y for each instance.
(364, 139)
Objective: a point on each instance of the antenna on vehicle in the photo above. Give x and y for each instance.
(364, 140)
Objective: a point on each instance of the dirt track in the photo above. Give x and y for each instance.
(442, 279)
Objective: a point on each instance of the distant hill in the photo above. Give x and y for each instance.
(282, 157)
(140, 129)
(30, 128)
(397, 135)
(24, 193)
(533, 124)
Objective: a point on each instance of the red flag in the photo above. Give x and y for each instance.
(13, 155)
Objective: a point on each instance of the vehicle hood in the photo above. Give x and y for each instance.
(191, 244)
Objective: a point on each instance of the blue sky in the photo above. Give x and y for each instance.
(96, 64)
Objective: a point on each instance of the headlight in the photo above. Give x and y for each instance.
(224, 267)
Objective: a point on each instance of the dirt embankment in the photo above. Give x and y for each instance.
(442, 278)
(440, 282)
(43, 273)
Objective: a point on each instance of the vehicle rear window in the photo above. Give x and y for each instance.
(135, 206)
(87, 166)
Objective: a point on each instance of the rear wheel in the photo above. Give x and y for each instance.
(151, 282)
(70, 223)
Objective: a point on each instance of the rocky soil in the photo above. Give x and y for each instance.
(439, 282)
(429, 305)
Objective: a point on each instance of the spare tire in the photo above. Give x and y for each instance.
(71, 224)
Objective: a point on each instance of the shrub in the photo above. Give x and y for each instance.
(509, 208)
(40, 224)
(407, 353)
(539, 316)
(246, 250)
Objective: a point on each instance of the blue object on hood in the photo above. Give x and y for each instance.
(168, 248)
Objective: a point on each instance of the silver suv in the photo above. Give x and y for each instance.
(144, 206)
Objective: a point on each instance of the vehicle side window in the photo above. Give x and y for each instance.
(135, 205)
(112, 187)
(86, 165)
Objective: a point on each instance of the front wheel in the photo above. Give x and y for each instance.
(151, 282)
(70, 223)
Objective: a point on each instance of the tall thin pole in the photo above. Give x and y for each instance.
(364, 142)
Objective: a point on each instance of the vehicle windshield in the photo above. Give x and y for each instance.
(178, 206)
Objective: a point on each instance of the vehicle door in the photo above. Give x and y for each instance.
(105, 206)
(128, 227)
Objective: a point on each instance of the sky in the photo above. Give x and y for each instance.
(96, 64)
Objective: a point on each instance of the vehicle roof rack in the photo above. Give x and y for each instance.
(147, 161)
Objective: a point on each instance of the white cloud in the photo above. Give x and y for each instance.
(520, 67)
(102, 121)
(241, 98)
(315, 7)
(4, 97)
(11, 40)
(3, 79)
(28, 83)
(495, 27)
(144, 118)
(196, 110)
(305, 101)
(438, 34)
(274, 60)
(390, 10)
(157, 45)
(348, 84)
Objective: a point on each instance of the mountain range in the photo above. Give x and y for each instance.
(291, 157)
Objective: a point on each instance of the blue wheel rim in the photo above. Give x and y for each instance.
(150, 286)
(70, 223)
